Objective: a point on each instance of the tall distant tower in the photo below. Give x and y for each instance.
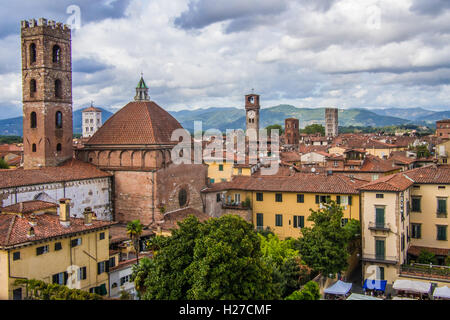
(47, 93)
(252, 112)
(291, 131)
(91, 120)
(331, 122)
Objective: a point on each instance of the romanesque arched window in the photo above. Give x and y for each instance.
(56, 53)
(58, 88)
(32, 53)
(33, 88)
(58, 147)
(182, 197)
(58, 120)
(33, 120)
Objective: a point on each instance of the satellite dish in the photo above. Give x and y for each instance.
(313, 169)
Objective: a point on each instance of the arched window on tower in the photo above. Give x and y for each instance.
(33, 120)
(56, 53)
(33, 147)
(58, 120)
(32, 53)
(58, 147)
(58, 89)
(182, 197)
(33, 88)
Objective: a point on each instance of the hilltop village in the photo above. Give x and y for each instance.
(69, 200)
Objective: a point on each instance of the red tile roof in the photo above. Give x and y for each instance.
(14, 229)
(298, 182)
(415, 250)
(118, 233)
(91, 109)
(395, 182)
(68, 171)
(29, 206)
(434, 174)
(138, 123)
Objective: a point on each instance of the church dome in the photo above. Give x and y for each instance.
(140, 122)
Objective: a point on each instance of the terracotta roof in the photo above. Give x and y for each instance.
(306, 149)
(29, 206)
(118, 233)
(444, 121)
(69, 171)
(91, 109)
(171, 218)
(138, 123)
(298, 182)
(14, 229)
(290, 156)
(374, 164)
(435, 174)
(395, 182)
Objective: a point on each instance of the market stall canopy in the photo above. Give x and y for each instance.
(339, 287)
(412, 286)
(442, 292)
(357, 296)
(375, 285)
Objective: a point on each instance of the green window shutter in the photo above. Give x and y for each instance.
(338, 199)
(379, 249)
(259, 220)
(442, 205)
(295, 221)
(317, 199)
(379, 216)
(302, 221)
(349, 200)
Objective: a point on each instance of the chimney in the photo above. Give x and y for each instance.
(64, 212)
(88, 216)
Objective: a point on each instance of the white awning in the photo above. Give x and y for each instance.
(442, 292)
(412, 286)
(339, 287)
(357, 296)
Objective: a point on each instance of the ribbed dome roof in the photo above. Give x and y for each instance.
(139, 122)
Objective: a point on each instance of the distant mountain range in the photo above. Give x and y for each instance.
(234, 118)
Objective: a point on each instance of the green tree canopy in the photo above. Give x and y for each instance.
(3, 164)
(134, 230)
(40, 290)
(217, 259)
(310, 291)
(274, 127)
(324, 246)
(313, 129)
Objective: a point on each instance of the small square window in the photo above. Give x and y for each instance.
(300, 198)
(278, 197)
(58, 246)
(16, 255)
(102, 235)
(380, 195)
(259, 196)
(75, 242)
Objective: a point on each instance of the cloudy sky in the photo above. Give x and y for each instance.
(204, 53)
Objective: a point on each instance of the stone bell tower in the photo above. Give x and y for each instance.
(47, 93)
(252, 112)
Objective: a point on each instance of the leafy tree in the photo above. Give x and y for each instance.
(3, 164)
(310, 291)
(274, 127)
(324, 246)
(40, 290)
(228, 262)
(125, 295)
(140, 273)
(166, 277)
(421, 150)
(426, 257)
(134, 230)
(284, 261)
(313, 129)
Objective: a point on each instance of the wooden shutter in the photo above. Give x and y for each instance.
(295, 222)
(302, 221)
(338, 199)
(317, 199)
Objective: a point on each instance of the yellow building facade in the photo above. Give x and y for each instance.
(75, 254)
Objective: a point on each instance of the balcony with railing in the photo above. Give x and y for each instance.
(380, 258)
(235, 205)
(441, 214)
(426, 271)
(379, 226)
